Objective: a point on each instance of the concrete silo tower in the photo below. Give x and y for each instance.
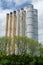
(13, 33)
(18, 22)
(35, 12)
(29, 21)
(22, 22)
(17, 31)
(6, 32)
(32, 22)
(10, 31)
(7, 21)
(10, 25)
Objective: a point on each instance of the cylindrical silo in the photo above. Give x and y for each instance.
(6, 34)
(10, 31)
(17, 31)
(29, 21)
(13, 32)
(10, 26)
(7, 21)
(22, 22)
(18, 22)
(35, 24)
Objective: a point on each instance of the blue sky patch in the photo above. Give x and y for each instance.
(11, 5)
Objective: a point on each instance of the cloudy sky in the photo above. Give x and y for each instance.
(9, 5)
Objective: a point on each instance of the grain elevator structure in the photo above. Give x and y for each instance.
(32, 22)
(21, 23)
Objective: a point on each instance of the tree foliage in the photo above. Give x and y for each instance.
(24, 45)
(31, 52)
(21, 60)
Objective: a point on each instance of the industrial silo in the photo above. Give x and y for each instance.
(29, 21)
(22, 22)
(17, 31)
(14, 32)
(7, 21)
(6, 33)
(35, 24)
(10, 31)
(18, 23)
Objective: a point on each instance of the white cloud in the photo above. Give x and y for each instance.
(34, 1)
(18, 2)
(9, 0)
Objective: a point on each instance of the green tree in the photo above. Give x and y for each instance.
(41, 49)
(27, 45)
(3, 44)
(33, 47)
(24, 45)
